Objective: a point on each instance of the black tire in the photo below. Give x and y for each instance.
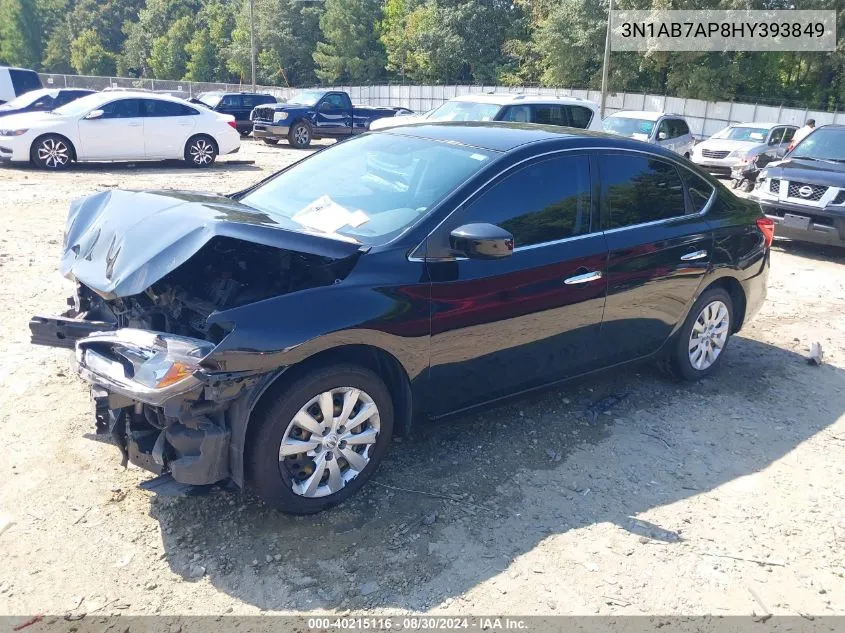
(299, 136)
(272, 480)
(271, 141)
(749, 186)
(679, 364)
(200, 151)
(52, 151)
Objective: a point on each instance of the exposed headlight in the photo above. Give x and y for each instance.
(147, 366)
(13, 132)
(279, 116)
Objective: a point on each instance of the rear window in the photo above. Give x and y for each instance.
(580, 116)
(24, 80)
(211, 100)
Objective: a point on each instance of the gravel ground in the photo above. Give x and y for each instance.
(722, 497)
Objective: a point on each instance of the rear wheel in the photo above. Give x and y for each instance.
(271, 141)
(200, 151)
(300, 135)
(703, 338)
(51, 152)
(318, 441)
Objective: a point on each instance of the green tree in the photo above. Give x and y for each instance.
(88, 56)
(57, 52)
(202, 57)
(350, 49)
(169, 54)
(154, 21)
(20, 33)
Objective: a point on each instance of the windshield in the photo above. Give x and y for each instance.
(26, 99)
(464, 111)
(307, 97)
(369, 189)
(211, 99)
(624, 126)
(823, 144)
(84, 104)
(742, 133)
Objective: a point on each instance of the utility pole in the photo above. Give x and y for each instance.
(606, 65)
(252, 39)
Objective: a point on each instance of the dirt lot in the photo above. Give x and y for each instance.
(723, 497)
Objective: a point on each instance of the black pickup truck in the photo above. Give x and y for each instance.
(314, 114)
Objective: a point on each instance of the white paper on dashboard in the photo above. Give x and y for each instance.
(326, 215)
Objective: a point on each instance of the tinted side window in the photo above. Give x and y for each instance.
(699, 189)
(156, 108)
(249, 101)
(543, 202)
(663, 128)
(24, 80)
(681, 127)
(549, 115)
(335, 100)
(259, 99)
(519, 113)
(788, 134)
(231, 101)
(122, 109)
(639, 189)
(580, 116)
(777, 136)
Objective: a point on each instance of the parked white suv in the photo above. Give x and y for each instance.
(544, 110)
(658, 128)
(740, 144)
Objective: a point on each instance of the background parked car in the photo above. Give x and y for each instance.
(236, 104)
(740, 144)
(42, 100)
(118, 126)
(805, 193)
(16, 81)
(658, 128)
(315, 114)
(567, 111)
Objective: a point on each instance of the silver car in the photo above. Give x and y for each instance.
(658, 128)
(741, 143)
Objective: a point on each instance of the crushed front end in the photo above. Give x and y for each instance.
(157, 274)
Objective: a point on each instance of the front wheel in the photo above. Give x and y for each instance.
(320, 439)
(300, 135)
(703, 338)
(200, 151)
(51, 152)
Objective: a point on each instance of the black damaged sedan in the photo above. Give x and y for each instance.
(280, 336)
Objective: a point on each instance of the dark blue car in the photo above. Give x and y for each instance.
(315, 114)
(280, 336)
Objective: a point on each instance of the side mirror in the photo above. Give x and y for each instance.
(481, 241)
(661, 136)
(94, 114)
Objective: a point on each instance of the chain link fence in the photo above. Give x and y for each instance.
(704, 117)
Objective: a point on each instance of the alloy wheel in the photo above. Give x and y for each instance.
(53, 153)
(709, 335)
(300, 135)
(330, 441)
(202, 152)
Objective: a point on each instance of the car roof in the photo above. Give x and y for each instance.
(648, 115)
(507, 98)
(502, 136)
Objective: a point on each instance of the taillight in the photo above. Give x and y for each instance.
(767, 228)
(233, 125)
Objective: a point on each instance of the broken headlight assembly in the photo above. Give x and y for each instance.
(150, 367)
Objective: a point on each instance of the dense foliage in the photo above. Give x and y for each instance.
(303, 42)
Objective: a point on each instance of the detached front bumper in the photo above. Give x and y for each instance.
(151, 395)
(270, 131)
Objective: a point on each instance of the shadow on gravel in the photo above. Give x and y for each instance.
(815, 252)
(455, 505)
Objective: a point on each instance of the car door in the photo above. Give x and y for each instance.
(779, 140)
(505, 325)
(659, 246)
(683, 138)
(117, 134)
(663, 135)
(333, 115)
(167, 127)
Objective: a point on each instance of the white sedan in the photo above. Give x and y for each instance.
(118, 126)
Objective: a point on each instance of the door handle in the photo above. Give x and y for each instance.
(689, 257)
(583, 279)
